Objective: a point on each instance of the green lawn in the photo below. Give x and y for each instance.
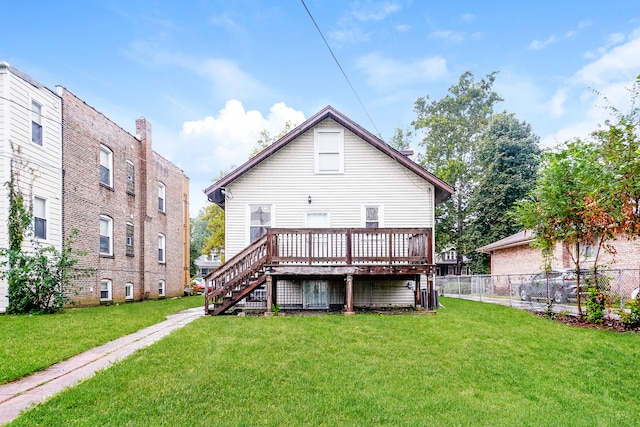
(32, 343)
(471, 364)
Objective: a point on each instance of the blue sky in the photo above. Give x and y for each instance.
(210, 75)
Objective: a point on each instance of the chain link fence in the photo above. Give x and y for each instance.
(619, 284)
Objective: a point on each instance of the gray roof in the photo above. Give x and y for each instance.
(523, 237)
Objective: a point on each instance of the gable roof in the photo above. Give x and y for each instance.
(442, 190)
(520, 238)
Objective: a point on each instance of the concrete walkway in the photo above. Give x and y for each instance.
(17, 396)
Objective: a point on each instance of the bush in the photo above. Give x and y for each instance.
(631, 318)
(596, 304)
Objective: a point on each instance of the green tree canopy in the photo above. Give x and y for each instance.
(453, 127)
(507, 159)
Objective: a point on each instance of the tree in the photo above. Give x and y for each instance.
(199, 234)
(507, 158)
(214, 242)
(39, 277)
(453, 128)
(400, 139)
(265, 139)
(567, 203)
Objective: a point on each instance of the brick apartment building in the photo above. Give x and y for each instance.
(130, 205)
(80, 170)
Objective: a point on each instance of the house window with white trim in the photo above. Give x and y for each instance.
(373, 216)
(106, 166)
(106, 235)
(40, 218)
(259, 222)
(161, 197)
(161, 248)
(329, 150)
(128, 291)
(161, 288)
(105, 290)
(36, 123)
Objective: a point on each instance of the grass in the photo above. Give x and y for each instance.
(32, 343)
(471, 364)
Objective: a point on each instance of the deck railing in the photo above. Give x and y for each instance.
(349, 246)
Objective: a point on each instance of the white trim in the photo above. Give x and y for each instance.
(340, 148)
(109, 234)
(130, 287)
(306, 218)
(109, 152)
(162, 244)
(363, 213)
(248, 219)
(109, 289)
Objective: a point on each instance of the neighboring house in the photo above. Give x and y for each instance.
(446, 262)
(514, 255)
(130, 205)
(327, 217)
(206, 264)
(31, 142)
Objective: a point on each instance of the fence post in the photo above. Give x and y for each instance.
(620, 288)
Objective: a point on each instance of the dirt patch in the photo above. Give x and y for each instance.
(614, 325)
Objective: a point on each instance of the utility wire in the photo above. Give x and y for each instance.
(340, 67)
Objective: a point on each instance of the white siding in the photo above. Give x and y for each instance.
(18, 92)
(287, 179)
(382, 293)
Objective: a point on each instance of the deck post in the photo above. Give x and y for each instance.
(269, 295)
(349, 294)
(418, 294)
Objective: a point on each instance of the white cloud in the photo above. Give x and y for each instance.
(557, 103)
(601, 84)
(374, 11)
(385, 74)
(467, 18)
(216, 143)
(539, 45)
(542, 44)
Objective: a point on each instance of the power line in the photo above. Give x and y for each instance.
(340, 67)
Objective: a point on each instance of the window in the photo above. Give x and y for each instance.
(259, 222)
(105, 290)
(106, 166)
(372, 216)
(106, 235)
(161, 194)
(329, 148)
(40, 218)
(129, 240)
(161, 288)
(128, 291)
(36, 122)
(131, 178)
(161, 248)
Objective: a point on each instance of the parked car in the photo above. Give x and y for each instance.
(560, 285)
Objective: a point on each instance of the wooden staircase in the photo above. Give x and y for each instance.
(236, 278)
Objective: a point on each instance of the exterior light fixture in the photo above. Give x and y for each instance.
(309, 199)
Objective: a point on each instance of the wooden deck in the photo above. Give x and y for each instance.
(344, 252)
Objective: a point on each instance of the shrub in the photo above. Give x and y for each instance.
(596, 304)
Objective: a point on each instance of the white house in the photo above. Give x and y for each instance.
(334, 196)
(31, 143)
